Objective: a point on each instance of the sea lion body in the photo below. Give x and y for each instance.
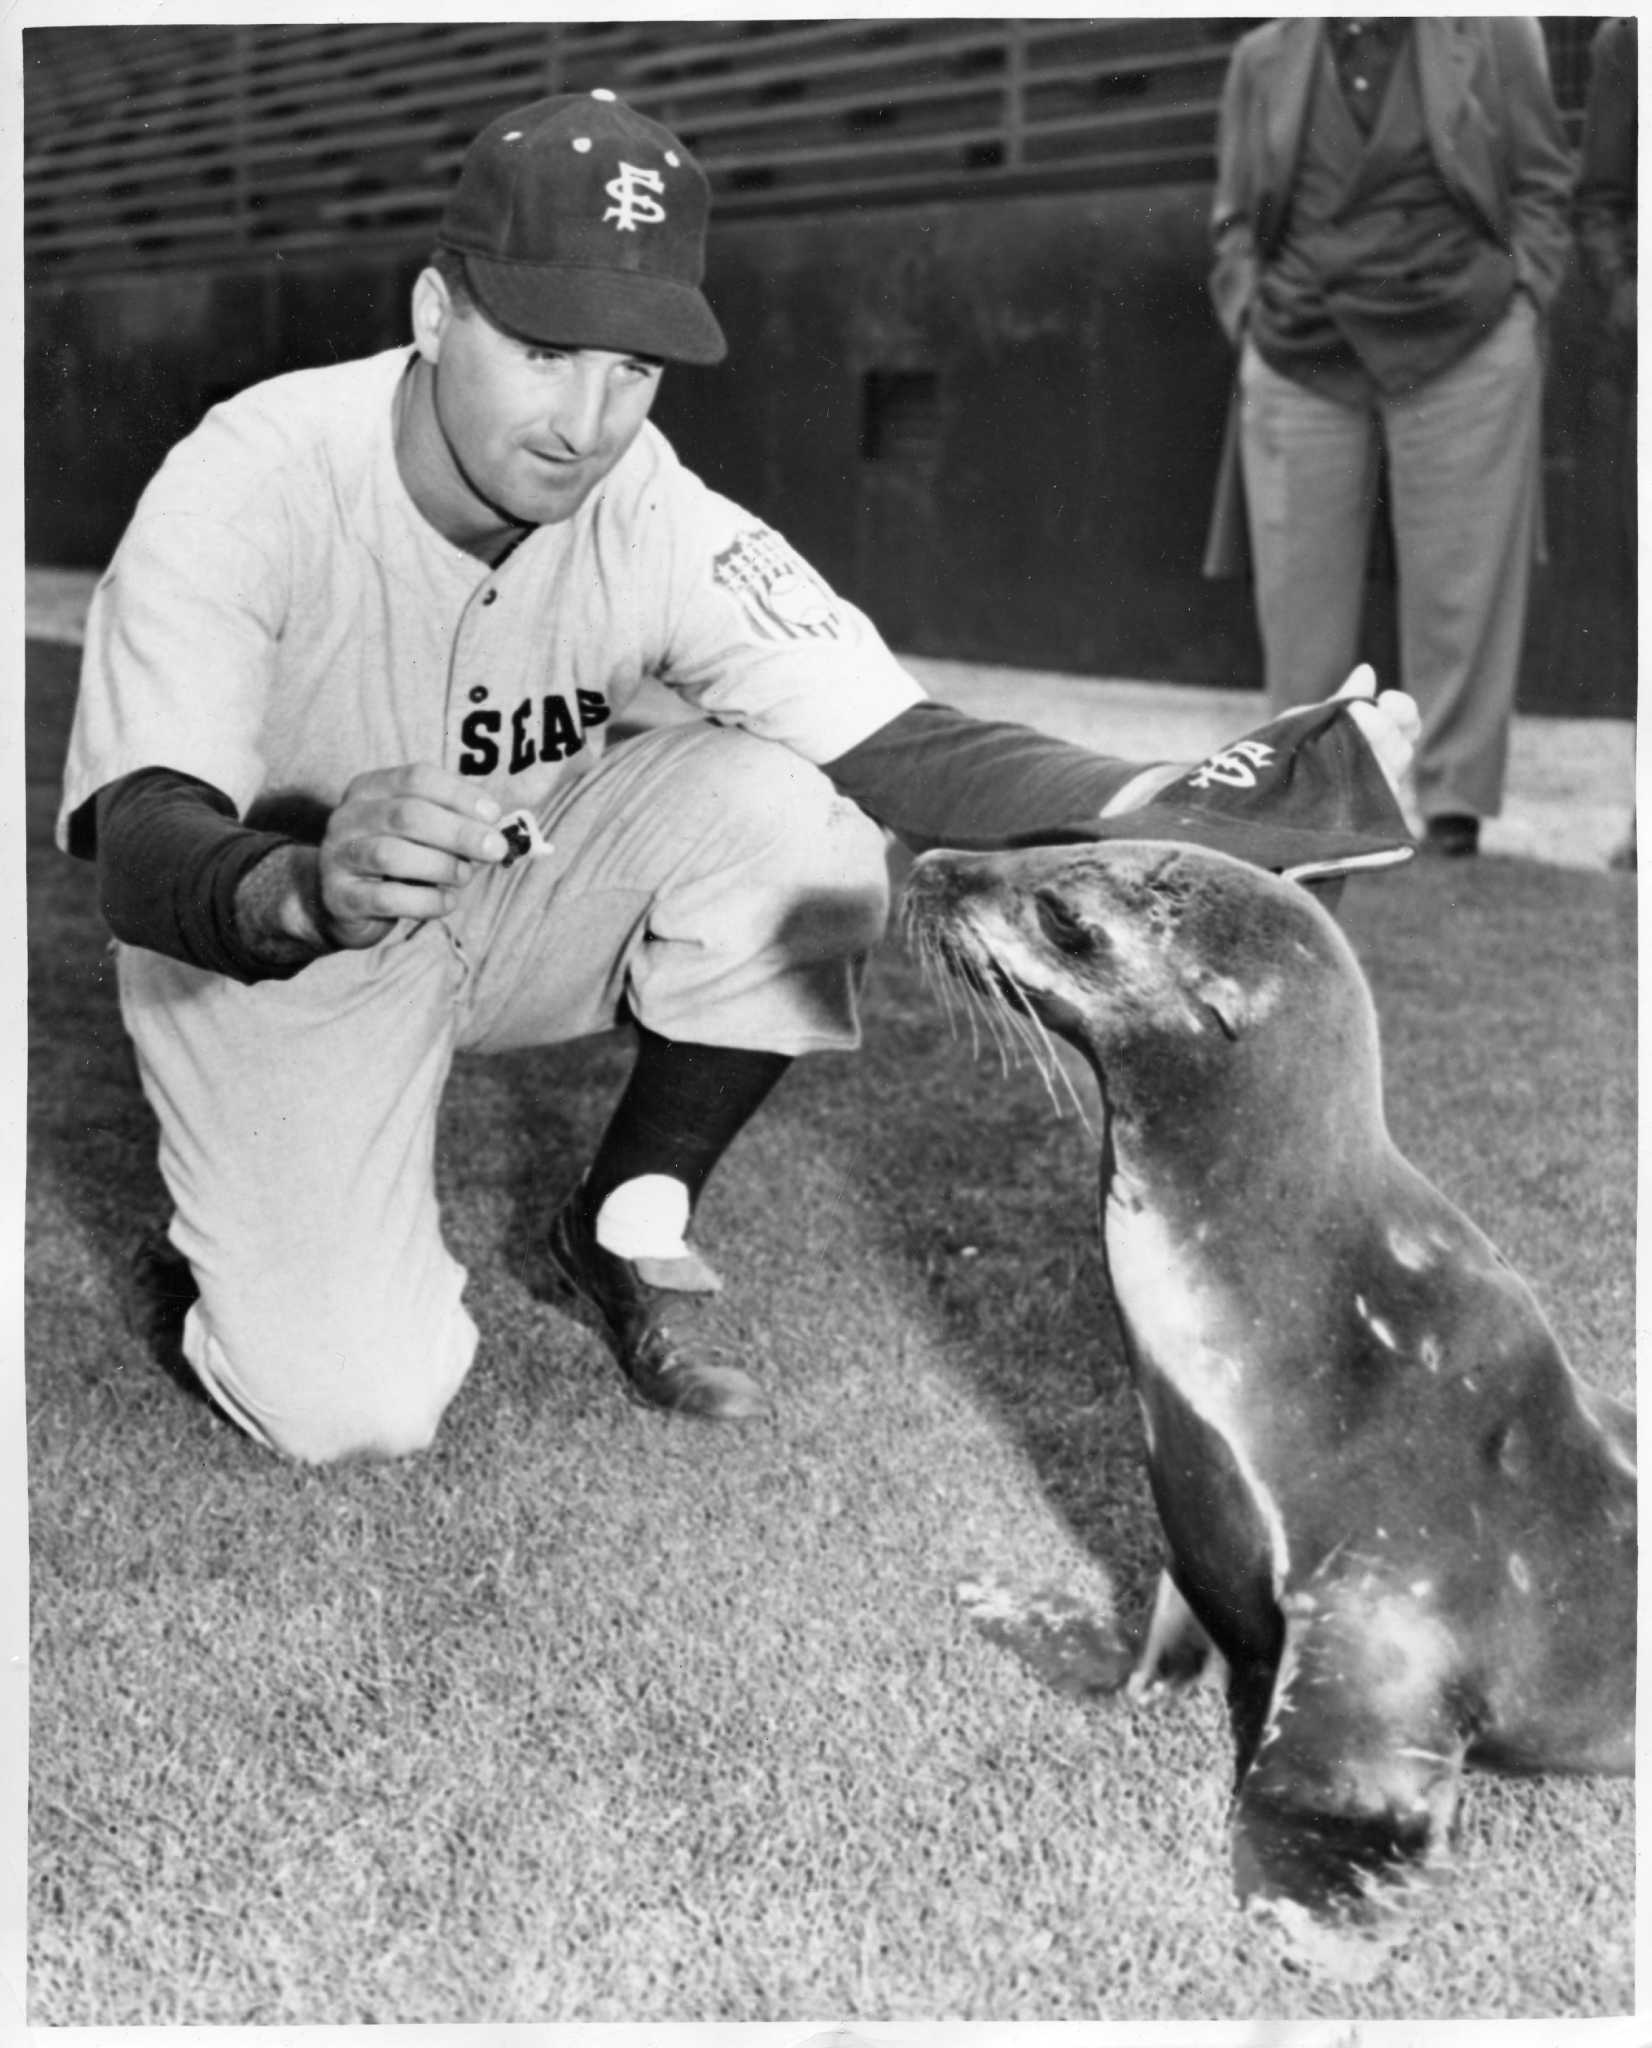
(1403, 1521)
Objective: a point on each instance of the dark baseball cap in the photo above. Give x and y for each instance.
(582, 222)
(1303, 795)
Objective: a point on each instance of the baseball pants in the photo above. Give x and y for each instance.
(713, 886)
(1463, 465)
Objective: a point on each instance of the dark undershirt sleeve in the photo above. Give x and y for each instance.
(934, 776)
(171, 854)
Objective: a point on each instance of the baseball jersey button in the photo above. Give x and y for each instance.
(478, 695)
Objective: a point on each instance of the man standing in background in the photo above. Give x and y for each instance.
(1391, 227)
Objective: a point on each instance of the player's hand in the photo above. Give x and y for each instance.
(1391, 723)
(403, 842)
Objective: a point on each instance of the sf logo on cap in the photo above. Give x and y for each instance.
(630, 194)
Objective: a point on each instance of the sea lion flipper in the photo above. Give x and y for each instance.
(1348, 1801)
(1176, 1651)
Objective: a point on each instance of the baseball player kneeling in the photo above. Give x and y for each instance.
(343, 756)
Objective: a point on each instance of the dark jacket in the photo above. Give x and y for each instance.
(1606, 176)
(1496, 139)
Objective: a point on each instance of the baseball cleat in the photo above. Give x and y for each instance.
(628, 1314)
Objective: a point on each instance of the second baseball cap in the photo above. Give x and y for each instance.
(582, 222)
(1303, 795)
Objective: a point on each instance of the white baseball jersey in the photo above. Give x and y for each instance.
(280, 617)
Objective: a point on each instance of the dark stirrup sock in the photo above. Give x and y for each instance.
(682, 1108)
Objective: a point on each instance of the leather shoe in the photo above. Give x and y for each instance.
(1452, 835)
(627, 1312)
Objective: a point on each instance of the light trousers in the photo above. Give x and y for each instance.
(1463, 457)
(710, 885)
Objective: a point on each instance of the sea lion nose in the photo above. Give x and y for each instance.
(945, 877)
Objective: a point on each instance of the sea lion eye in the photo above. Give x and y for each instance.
(1063, 930)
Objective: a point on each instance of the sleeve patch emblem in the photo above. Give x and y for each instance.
(779, 592)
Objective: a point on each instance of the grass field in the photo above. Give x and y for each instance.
(586, 1716)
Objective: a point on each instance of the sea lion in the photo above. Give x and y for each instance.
(1404, 1523)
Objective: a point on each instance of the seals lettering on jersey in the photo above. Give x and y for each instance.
(540, 729)
(776, 588)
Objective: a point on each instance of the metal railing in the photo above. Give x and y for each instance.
(152, 148)
(160, 148)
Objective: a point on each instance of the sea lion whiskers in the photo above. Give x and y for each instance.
(956, 964)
